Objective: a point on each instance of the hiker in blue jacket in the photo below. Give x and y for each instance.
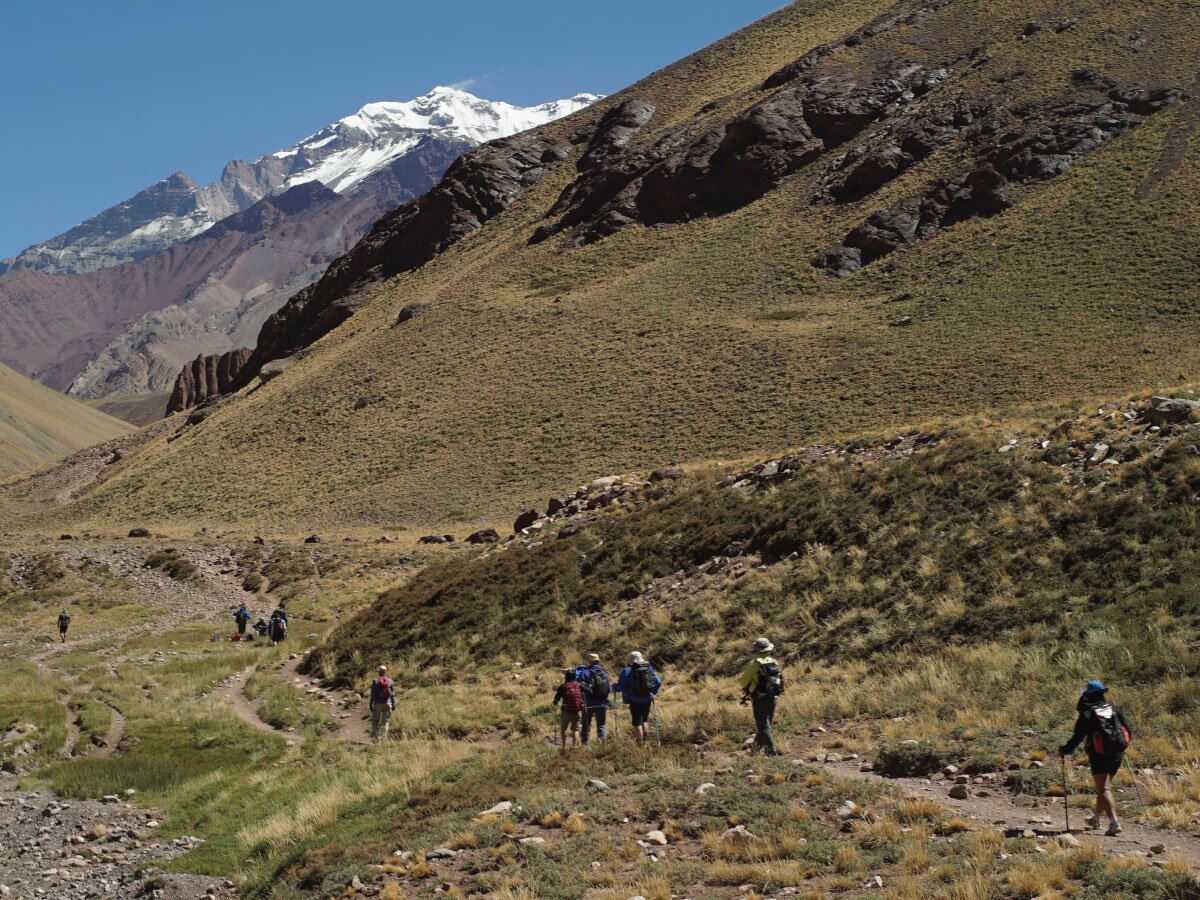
(638, 684)
(597, 687)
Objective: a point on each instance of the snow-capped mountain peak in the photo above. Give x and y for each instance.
(341, 155)
(404, 145)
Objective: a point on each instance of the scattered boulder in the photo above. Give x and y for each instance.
(139, 532)
(484, 536)
(313, 539)
(525, 519)
(1163, 411)
(657, 837)
(410, 312)
(959, 792)
(667, 474)
(432, 539)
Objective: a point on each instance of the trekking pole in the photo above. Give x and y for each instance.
(1066, 795)
(1136, 790)
(657, 728)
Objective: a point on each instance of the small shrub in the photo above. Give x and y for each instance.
(897, 760)
(253, 583)
(173, 563)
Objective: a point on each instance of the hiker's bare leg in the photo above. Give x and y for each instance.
(1104, 804)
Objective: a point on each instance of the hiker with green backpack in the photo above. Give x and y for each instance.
(762, 685)
(1105, 736)
(638, 685)
(597, 687)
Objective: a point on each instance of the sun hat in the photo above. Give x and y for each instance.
(762, 645)
(382, 669)
(593, 657)
(636, 657)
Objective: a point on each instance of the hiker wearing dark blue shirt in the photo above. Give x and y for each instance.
(64, 622)
(597, 687)
(1105, 736)
(242, 617)
(638, 685)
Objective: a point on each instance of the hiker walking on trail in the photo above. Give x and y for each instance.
(570, 695)
(762, 684)
(64, 622)
(382, 704)
(242, 617)
(279, 623)
(638, 685)
(1105, 736)
(597, 687)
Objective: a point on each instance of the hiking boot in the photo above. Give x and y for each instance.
(1092, 821)
(1114, 828)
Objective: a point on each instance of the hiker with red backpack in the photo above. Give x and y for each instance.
(638, 685)
(596, 687)
(1105, 736)
(762, 685)
(382, 704)
(570, 695)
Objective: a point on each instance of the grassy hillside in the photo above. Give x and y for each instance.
(136, 409)
(39, 425)
(534, 365)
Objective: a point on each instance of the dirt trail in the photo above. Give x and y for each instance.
(73, 733)
(347, 712)
(993, 804)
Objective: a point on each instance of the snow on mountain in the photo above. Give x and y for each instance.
(430, 130)
(351, 149)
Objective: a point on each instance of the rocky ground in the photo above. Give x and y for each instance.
(70, 850)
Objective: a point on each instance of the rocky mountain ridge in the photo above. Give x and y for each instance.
(377, 150)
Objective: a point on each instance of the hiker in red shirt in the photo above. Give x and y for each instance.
(570, 694)
(382, 703)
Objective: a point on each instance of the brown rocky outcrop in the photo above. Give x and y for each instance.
(477, 187)
(725, 167)
(204, 377)
(1061, 133)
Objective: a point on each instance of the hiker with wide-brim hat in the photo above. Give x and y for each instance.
(638, 685)
(1105, 735)
(762, 684)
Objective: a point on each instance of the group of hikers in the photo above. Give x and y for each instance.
(275, 629)
(587, 693)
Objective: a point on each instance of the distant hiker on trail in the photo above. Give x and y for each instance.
(1105, 736)
(596, 686)
(762, 684)
(242, 617)
(382, 704)
(638, 685)
(279, 624)
(64, 622)
(570, 694)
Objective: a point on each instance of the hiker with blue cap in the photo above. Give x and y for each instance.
(1105, 736)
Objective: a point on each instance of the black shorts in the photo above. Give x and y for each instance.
(1105, 765)
(639, 712)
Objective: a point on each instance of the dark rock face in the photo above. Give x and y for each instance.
(724, 168)
(1064, 133)
(1164, 411)
(477, 187)
(873, 164)
(204, 377)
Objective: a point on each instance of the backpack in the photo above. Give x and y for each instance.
(601, 687)
(1109, 737)
(641, 677)
(770, 680)
(385, 685)
(572, 696)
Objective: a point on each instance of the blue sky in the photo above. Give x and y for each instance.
(103, 99)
